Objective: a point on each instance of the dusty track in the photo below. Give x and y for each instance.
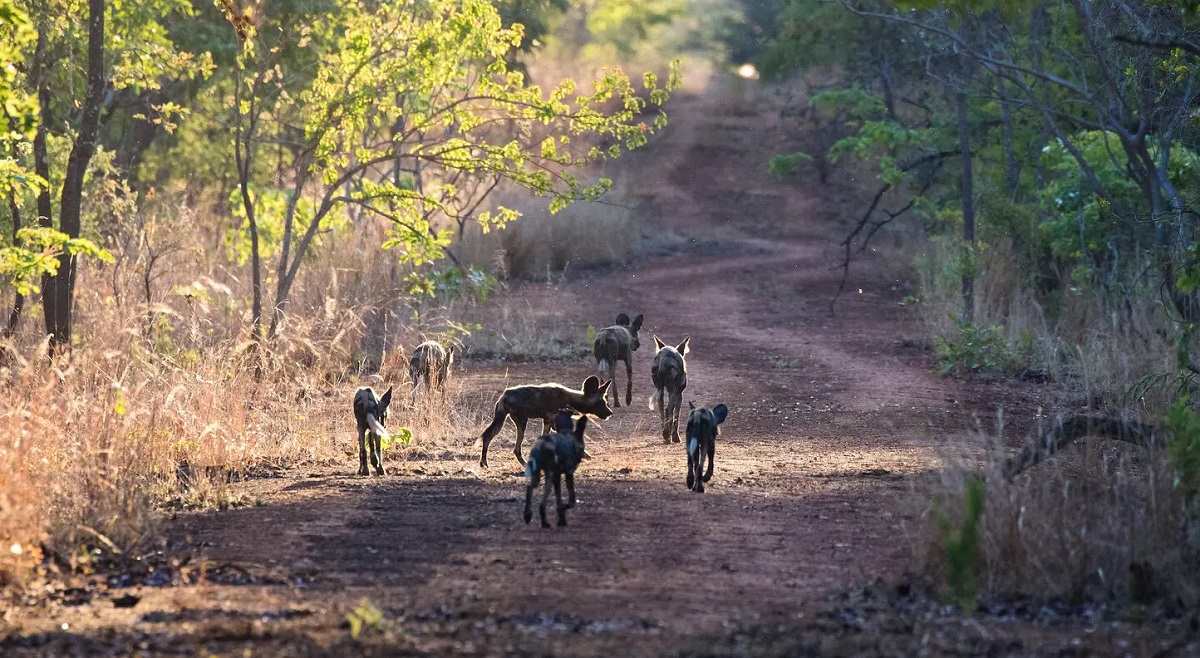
(831, 416)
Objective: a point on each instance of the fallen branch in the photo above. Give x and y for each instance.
(1067, 431)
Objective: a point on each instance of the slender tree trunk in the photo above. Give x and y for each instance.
(1012, 166)
(141, 135)
(14, 317)
(59, 290)
(968, 208)
(243, 156)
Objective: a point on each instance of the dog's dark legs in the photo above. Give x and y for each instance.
(377, 454)
(362, 452)
(521, 422)
(545, 498)
(712, 449)
(628, 381)
(699, 488)
(491, 432)
(570, 490)
(529, 487)
(562, 509)
(691, 476)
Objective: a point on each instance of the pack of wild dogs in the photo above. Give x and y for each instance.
(564, 412)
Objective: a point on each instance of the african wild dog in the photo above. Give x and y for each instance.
(617, 343)
(702, 434)
(555, 455)
(544, 401)
(668, 372)
(429, 366)
(371, 412)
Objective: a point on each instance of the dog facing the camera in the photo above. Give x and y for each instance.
(702, 433)
(556, 456)
(371, 411)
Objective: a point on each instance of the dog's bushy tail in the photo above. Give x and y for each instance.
(531, 467)
(378, 428)
(656, 399)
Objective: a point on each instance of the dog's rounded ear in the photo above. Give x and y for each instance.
(720, 412)
(622, 320)
(637, 323)
(682, 348)
(591, 384)
(658, 344)
(386, 399)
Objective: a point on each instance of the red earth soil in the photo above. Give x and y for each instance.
(832, 419)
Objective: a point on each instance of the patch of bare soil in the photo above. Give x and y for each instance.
(832, 416)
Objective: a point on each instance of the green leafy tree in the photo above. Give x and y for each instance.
(415, 115)
(124, 47)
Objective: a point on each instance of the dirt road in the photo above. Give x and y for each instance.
(831, 416)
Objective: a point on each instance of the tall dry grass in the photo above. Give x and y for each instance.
(1100, 522)
(165, 402)
(1099, 344)
(544, 246)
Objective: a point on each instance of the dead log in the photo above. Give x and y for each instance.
(1067, 431)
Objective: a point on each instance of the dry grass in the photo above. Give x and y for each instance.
(544, 247)
(1095, 343)
(165, 402)
(1100, 522)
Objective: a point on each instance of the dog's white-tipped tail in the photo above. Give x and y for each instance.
(656, 399)
(693, 443)
(530, 467)
(603, 368)
(377, 428)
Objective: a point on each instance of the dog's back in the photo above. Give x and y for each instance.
(365, 402)
(668, 373)
(430, 364)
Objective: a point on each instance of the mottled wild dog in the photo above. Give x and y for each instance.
(555, 455)
(429, 366)
(371, 411)
(617, 343)
(544, 401)
(668, 371)
(701, 435)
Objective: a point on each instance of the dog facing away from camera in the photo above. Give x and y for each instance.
(429, 367)
(371, 411)
(668, 373)
(618, 343)
(544, 401)
(556, 456)
(701, 435)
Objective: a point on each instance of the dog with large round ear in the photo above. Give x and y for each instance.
(702, 431)
(668, 373)
(618, 343)
(370, 413)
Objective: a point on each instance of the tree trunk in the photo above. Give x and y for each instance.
(243, 155)
(14, 317)
(59, 290)
(968, 208)
(1012, 166)
(141, 133)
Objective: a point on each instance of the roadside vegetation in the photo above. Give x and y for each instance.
(217, 218)
(1038, 160)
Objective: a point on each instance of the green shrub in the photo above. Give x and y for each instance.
(977, 348)
(961, 543)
